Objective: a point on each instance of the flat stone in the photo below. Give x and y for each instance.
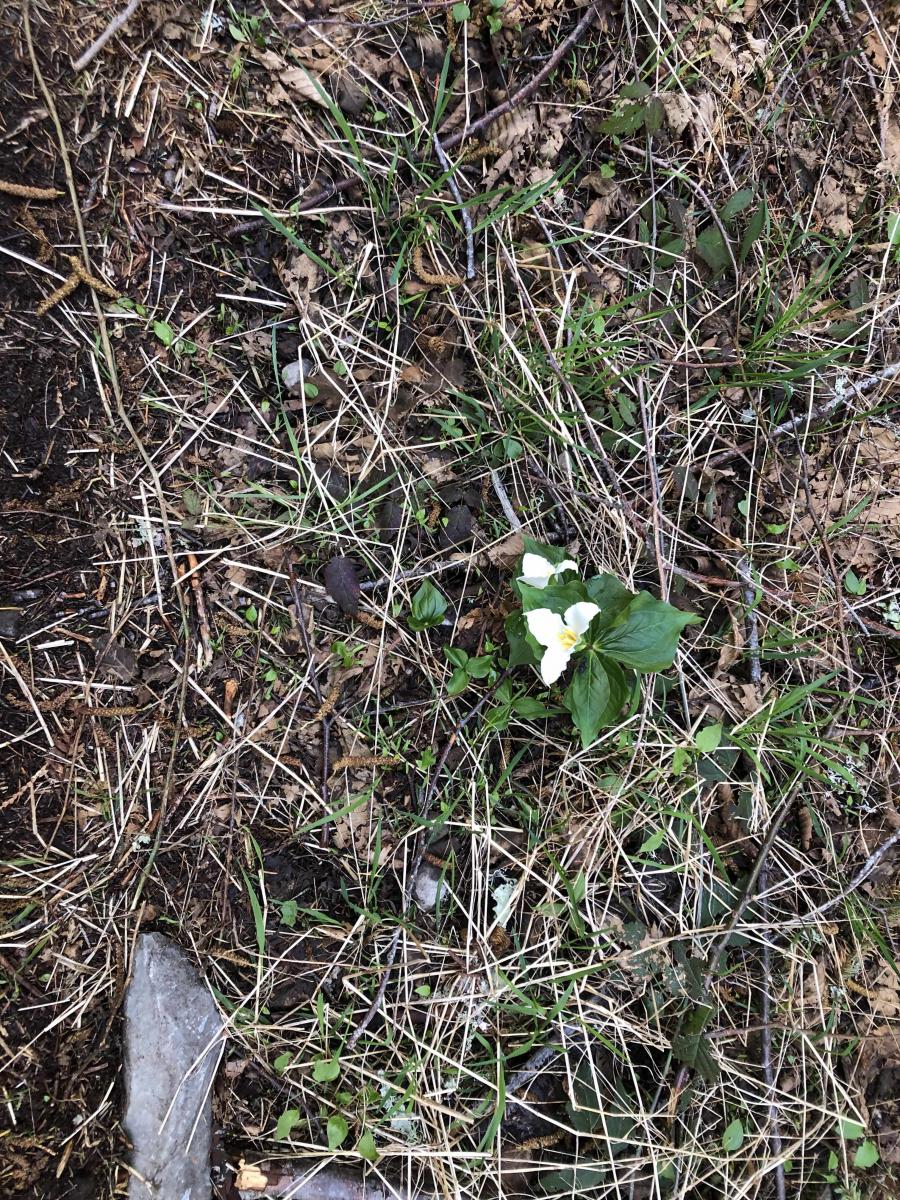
(293, 375)
(172, 1045)
(429, 887)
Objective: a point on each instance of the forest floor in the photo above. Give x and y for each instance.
(381, 288)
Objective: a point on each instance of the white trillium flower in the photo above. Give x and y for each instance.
(559, 634)
(537, 571)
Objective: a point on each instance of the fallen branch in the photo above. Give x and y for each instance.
(110, 31)
(306, 1183)
(751, 624)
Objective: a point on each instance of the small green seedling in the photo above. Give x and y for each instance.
(428, 607)
(466, 668)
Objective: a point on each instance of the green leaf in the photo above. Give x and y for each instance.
(707, 739)
(680, 760)
(555, 596)
(250, 614)
(530, 709)
(286, 1123)
(553, 554)
(627, 120)
(460, 13)
(289, 913)
(282, 1062)
(652, 843)
(866, 1155)
(733, 1137)
(428, 607)
(893, 228)
(573, 1181)
(164, 332)
(480, 668)
(691, 1047)
(586, 1114)
(755, 226)
(326, 1070)
(645, 635)
(587, 696)
(712, 249)
(654, 115)
(458, 682)
(456, 656)
(336, 1130)
(854, 585)
(366, 1148)
(635, 91)
(849, 1129)
(738, 202)
(523, 650)
(610, 596)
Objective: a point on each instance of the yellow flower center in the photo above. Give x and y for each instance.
(568, 638)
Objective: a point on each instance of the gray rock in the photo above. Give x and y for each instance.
(9, 622)
(293, 375)
(172, 1043)
(429, 887)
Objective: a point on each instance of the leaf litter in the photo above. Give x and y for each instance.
(316, 394)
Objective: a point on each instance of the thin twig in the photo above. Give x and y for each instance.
(250, 226)
(528, 89)
(857, 881)
(840, 397)
(656, 493)
(500, 492)
(463, 211)
(751, 619)
(423, 571)
(110, 31)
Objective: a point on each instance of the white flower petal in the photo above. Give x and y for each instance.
(579, 616)
(565, 565)
(545, 626)
(554, 662)
(536, 570)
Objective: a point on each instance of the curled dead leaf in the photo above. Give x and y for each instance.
(342, 584)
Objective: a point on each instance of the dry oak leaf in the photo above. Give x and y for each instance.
(831, 208)
(694, 113)
(296, 80)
